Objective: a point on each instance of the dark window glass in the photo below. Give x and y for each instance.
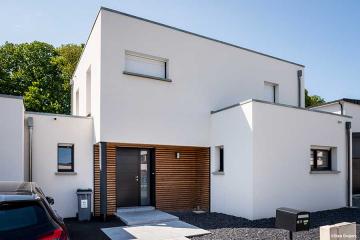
(320, 159)
(24, 220)
(65, 158)
(221, 158)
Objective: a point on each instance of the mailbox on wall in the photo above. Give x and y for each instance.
(292, 220)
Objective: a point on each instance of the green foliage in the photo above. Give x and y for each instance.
(40, 73)
(311, 101)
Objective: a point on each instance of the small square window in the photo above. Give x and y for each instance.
(320, 159)
(65, 157)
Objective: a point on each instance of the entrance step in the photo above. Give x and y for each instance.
(135, 209)
(134, 218)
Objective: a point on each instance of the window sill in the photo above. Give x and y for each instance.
(218, 173)
(65, 173)
(325, 172)
(146, 76)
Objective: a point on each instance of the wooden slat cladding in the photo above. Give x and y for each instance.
(96, 181)
(111, 178)
(181, 184)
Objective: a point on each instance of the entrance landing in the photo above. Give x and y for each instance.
(143, 215)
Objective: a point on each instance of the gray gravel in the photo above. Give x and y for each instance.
(224, 226)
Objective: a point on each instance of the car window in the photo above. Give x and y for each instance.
(20, 220)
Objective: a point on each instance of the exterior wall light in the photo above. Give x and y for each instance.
(177, 155)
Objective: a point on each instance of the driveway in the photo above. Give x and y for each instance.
(227, 227)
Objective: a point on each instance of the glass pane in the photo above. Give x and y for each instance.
(144, 178)
(322, 159)
(312, 158)
(65, 158)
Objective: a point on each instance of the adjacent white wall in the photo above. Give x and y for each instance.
(49, 130)
(232, 191)
(89, 65)
(282, 141)
(206, 75)
(267, 160)
(11, 138)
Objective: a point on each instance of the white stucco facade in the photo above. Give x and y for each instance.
(267, 160)
(205, 75)
(12, 139)
(49, 131)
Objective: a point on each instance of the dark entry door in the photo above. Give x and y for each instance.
(127, 168)
(356, 163)
(134, 177)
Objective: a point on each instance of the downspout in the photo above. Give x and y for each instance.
(341, 107)
(348, 160)
(299, 75)
(30, 124)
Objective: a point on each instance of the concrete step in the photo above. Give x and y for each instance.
(145, 217)
(135, 209)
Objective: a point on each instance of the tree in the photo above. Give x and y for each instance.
(40, 73)
(311, 101)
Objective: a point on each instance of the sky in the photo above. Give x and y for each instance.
(323, 35)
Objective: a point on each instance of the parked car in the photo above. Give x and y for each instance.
(26, 213)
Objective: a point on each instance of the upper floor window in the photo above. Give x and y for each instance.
(271, 92)
(145, 65)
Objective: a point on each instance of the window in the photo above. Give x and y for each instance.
(320, 159)
(65, 158)
(77, 103)
(219, 151)
(145, 65)
(88, 92)
(271, 92)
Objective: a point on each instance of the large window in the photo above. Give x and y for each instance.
(320, 159)
(145, 65)
(271, 92)
(65, 158)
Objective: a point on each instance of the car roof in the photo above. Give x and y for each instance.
(18, 191)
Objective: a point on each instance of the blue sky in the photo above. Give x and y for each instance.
(324, 35)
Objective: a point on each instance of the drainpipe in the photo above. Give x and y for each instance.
(348, 160)
(30, 124)
(341, 107)
(299, 75)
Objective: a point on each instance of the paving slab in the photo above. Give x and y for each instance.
(133, 218)
(172, 230)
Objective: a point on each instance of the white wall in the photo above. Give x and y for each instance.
(282, 140)
(11, 138)
(206, 75)
(231, 193)
(354, 111)
(267, 160)
(89, 61)
(47, 133)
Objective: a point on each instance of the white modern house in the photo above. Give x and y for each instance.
(176, 120)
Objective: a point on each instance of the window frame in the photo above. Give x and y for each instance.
(275, 91)
(221, 159)
(72, 147)
(315, 154)
(149, 57)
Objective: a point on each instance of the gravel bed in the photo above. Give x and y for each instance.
(228, 227)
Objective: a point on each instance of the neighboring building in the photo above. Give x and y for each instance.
(165, 117)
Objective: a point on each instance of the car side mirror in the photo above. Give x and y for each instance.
(50, 200)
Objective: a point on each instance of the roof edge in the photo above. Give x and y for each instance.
(280, 105)
(56, 115)
(11, 96)
(199, 35)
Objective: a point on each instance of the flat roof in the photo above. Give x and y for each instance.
(276, 104)
(349, 100)
(198, 35)
(11, 96)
